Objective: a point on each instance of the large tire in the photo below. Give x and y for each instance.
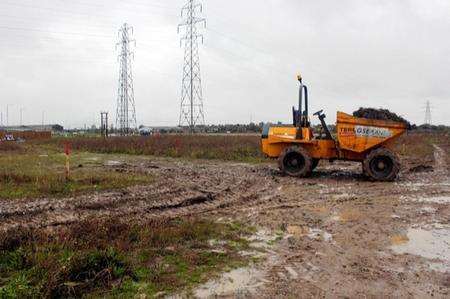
(295, 161)
(315, 163)
(381, 165)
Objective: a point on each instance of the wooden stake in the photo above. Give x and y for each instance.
(67, 152)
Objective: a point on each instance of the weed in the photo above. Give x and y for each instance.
(30, 174)
(6, 146)
(111, 258)
(231, 148)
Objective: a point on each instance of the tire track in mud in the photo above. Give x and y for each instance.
(441, 164)
(183, 189)
(180, 191)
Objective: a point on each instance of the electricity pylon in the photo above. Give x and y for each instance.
(191, 111)
(126, 110)
(428, 114)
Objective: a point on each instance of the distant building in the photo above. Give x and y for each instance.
(34, 128)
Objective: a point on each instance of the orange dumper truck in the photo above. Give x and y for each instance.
(368, 141)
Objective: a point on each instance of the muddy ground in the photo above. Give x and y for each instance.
(342, 236)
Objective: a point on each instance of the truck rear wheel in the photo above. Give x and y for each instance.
(315, 163)
(295, 161)
(381, 165)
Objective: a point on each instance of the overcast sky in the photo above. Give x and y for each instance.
(58, 57)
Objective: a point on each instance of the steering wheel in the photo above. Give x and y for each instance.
(318, 113)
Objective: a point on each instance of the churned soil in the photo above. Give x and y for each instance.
(341, 235)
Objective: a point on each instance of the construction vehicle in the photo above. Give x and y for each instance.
(368, 141)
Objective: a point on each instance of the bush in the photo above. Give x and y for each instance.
(231, 148)
(100, 257)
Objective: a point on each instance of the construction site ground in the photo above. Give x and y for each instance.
(332, 235)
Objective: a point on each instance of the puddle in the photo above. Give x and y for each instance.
(235, 284)
(347, 215)
(92, 159)
(318, 234)
(440, 267)
(262, 239)
(113, 163)
(242, 282)
(297, 230)
(437, 199)
(428, 210)
(432, 243)
(312, 233)
(342, 196)
(397, 240)
(420, 186)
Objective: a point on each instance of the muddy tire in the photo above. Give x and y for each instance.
(363, 170)
(315, 163)
(381, 165)
(296, 162)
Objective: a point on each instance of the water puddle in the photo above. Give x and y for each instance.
(431, 243)
(428, 210)
(418, 186)
(342, 196)
(347, 215)
(92, 159)
(319, 234)
(262, 239)
(113, 163)
(439, 199)
(243, 282)
(436, 199)
(235, 284)
(312, 233)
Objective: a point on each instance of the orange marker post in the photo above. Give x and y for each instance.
(67, 152)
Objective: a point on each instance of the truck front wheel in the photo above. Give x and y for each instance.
(381, 165)
(296, 162)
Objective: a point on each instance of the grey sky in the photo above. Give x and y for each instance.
(59, 56)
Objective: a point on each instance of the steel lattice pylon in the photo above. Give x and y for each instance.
(191, 112)
(126, 111)
(428, 114)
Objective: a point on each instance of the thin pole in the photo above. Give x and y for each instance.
(21, 116)
(191, 64)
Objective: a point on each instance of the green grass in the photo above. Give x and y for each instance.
(112, 259)
(228, 148)
(29, 171)
(417, 146)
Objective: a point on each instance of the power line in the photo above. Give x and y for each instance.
(191, 111)
(74, 13)
(55, 32)
(27, 19)
(128, 3)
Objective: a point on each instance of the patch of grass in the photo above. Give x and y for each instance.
(112, 259)
(416, 147)
(34, 172)
(230, 148)
(10, 147)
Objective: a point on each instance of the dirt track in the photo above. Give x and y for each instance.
(344, 236)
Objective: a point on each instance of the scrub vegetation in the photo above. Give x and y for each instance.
(31, 170)
(106, 258)
(244, 148)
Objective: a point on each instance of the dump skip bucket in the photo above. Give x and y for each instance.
(361, 134)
